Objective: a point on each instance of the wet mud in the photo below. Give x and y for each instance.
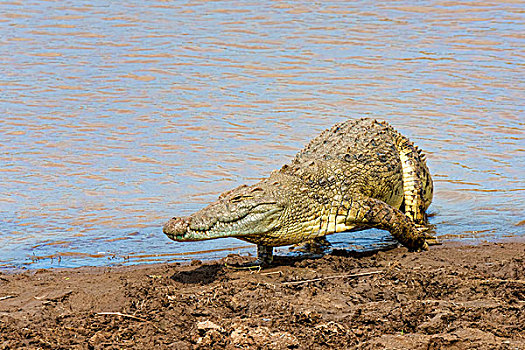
(452, 297)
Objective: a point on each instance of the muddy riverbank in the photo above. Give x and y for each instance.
(454, 297)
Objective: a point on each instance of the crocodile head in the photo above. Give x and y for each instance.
(244, 211)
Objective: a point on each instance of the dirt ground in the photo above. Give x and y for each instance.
(452, 297)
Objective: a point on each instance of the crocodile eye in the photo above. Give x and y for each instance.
(239, 198)
(257, 190)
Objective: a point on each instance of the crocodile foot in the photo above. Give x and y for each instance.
(423, 248)
(264, 259)
(431, 240)
(428, 232)
(315, 247)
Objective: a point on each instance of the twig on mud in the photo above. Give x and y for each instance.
(498, 280)
(255, 268)
(132, 317)
(332, 277)
(123, 315)
(7, 297)
(57, 298)
(272, 273)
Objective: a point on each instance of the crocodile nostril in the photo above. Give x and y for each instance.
(176, 226)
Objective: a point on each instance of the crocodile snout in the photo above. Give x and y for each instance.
(176, 228)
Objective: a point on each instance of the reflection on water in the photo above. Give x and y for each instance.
(117, 116)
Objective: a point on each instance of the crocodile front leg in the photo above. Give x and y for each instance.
(264, 255)
(371, 212)
(264, 258)
(315, 246)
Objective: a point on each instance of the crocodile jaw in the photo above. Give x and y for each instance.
(206, 224)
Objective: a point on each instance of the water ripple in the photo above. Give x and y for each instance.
(117, 116)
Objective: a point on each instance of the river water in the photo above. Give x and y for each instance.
(116, 116)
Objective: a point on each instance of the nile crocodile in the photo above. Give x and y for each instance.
(358, 174)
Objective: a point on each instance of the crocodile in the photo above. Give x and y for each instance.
(359, 174)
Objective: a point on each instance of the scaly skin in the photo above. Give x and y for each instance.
(358, 174)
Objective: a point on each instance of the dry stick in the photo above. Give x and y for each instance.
(271, 273)
(123, 315)
(132, 317)
(332, 277)
(255, 268)
(503, 280)
(7, 297)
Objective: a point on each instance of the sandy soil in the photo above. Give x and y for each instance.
(452, 297)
